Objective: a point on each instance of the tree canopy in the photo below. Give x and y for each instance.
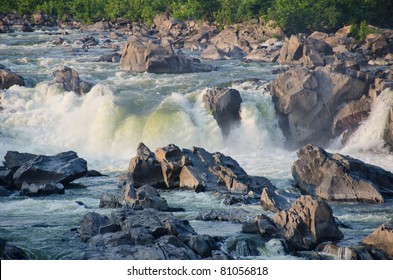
(291, 15)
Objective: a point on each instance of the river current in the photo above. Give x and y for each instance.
(123, 109)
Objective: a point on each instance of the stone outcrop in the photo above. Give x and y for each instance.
(307, 102)
(382, 238)
(307, 223)
(71, 81)
(144, 197)
(145, 54)
(338, 177)
(273, 200)
(41, 170)
(195, 169)
(9, 78)
(143, 235)
(224, 105)
(309, 52)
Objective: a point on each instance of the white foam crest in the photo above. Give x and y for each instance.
(369, 136)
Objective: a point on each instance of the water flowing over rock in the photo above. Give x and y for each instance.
(339, 177)
(306, 223)
(9, 78)
(307, 102)
(382, 238)
(194, 169)
(146, 54)
(224, 105)
(71, 81)
(61, 168)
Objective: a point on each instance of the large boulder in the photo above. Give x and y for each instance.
(145, 54)
(224, 105)
(71, 81)
(309, 52)
(382, 238)
(308, 100)
(307, 223)
(61, 168)
(339, 177)
(9, 78)
(13, 159)
(143, 235)
(144, 197)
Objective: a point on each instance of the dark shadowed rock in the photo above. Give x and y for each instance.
(90, 225)
(307, 223)
(11, 252)
(13, 160)
(9, 78)
(224, 105)
(71, 81)
(235, 215)
(5, 177)
(144, 169)
(144, 54)
(41, 190)
(203, 245)
(61, 168)
(4, 192)
(382, 238)
(339, 177)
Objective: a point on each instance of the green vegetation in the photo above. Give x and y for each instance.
(291, 15)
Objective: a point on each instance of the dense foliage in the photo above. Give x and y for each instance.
(291, 15)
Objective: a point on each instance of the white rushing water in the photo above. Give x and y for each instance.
(123, 109)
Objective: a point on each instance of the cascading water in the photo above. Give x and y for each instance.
(123, 109)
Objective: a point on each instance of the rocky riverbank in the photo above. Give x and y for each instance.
(327, 87)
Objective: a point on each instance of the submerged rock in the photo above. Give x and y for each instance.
(339, 177)
(307, 223)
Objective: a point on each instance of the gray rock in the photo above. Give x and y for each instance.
(110, 201)
(144, 54)
(382, 238)
(4, 192)
(144, 197)
(91, 224)
(307, 101)
(61, 168)
(41, 190)
(11, 252)
(203, 245)
(307, 223)
(339, 177)
(13, 160)
(71, 81)
(9, 78)
(224, 105)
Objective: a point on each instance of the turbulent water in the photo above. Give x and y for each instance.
(123, 109)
